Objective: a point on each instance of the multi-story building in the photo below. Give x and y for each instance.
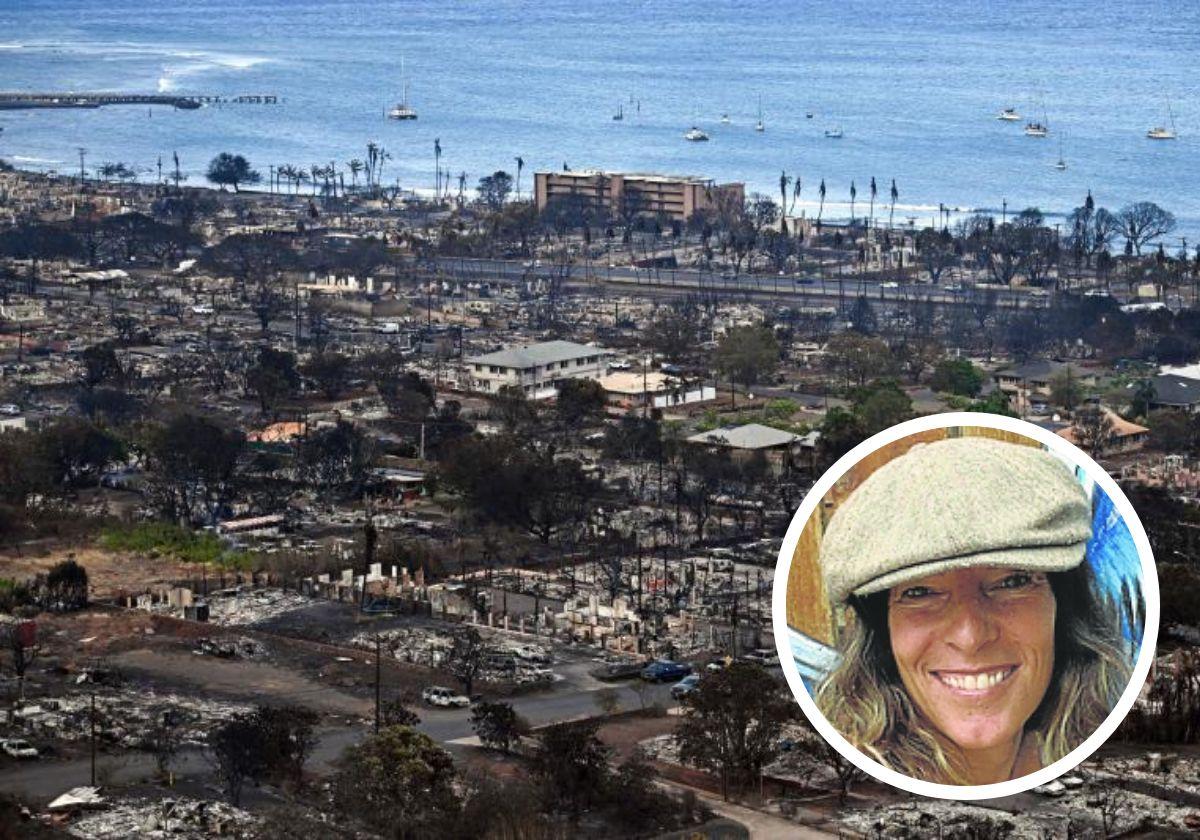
(610, 194)
(537, 368)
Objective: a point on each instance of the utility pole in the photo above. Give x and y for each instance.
(93, 721)
(378, 672)
(82, 171)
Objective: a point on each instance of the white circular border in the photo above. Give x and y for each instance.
(1149, 582)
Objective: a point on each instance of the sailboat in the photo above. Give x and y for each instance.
(1009, 115)
(834, 133)
(1160, 132)
(1038, 129)
(758, 126)
(620, 115)
(1061, 165)
(402, 110)
(695, 135)
(725, 119)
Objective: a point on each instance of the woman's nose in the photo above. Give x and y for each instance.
(969, 624)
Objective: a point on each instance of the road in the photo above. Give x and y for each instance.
(41, 781)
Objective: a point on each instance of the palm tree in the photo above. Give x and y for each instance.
(853, 195)
(520, 165)
(462, 187)
(784, 180)
(895, 195)
(795, 195)
(356, 166)
(871, 212)
(437, 167)
(821, 206)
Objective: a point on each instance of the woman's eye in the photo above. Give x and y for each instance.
(1017, 580)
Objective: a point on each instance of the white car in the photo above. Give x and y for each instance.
(17, 748)
(10, 409)
(763, 656)
(891, 284)
(437, 695)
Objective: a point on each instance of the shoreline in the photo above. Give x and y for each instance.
(834, 212)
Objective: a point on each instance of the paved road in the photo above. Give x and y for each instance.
(44, 780)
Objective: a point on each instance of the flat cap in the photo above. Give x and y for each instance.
(952, 504)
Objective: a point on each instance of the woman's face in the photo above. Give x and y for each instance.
(975, 650)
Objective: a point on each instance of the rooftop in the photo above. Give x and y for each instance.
(639, 176)
(750, 436)
(631, 382)
(534, 355)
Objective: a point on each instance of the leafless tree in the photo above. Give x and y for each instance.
(1143, 222)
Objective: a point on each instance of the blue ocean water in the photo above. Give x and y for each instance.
(915, 88)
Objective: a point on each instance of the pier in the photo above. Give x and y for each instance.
(14, 101)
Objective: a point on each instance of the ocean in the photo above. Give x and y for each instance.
(915, 88)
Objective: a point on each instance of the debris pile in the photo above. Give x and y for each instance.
(243, 606)
(182, 819)
(239, 648)
(123, 717)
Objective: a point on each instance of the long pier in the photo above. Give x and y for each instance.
(13, 101)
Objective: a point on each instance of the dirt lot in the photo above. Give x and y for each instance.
(110, 574)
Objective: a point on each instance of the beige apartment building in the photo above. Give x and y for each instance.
(673, 196)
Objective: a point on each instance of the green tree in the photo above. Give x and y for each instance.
(957, 376)
(398, 783)
(579, 402)
(498, 725)
(65, 587)
(881, 405)
(1066, 391)
(494, 190)
(330, 371)
(746, 355)
(1171, 431)
(227, 170)
(193, 466)
(571, 765)
(77, 450)
(732, 723)
(273, 378)
(340, 456)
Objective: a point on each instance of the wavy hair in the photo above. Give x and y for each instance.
(865, 700)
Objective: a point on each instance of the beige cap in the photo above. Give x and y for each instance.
(961, 502)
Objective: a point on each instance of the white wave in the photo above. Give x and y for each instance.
(37, 160)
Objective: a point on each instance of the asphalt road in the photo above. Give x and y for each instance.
(42, 780)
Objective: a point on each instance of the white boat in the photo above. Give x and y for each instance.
(725, 118)
(695, 135)
(1036, 129)
(402, 110)
(1009, 115)
(1161, 132)
(758, 126)
(834, 133)
(808, 115)
(1061, 165)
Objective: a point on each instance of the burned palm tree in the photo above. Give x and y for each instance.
(895, 195)
(821, 206)
(853, 195)
(784, 180)
(795, 195)
(520, 165)
(871, 212)
(437, 168)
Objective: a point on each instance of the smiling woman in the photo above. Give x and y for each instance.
(976, 647)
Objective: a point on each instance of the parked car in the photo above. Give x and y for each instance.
(17, 748)
(685, 686)
(534, 654)
(613, 671)
(765, 657)
(664, 670)
(10, 409)
(437, 695)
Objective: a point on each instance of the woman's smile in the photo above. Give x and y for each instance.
(975, 650)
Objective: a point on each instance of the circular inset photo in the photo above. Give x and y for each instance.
(966, 606)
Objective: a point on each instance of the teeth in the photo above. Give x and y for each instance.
(974, 682)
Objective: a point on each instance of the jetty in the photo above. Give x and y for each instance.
(14, 101)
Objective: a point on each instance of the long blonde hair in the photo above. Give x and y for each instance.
(865, 700)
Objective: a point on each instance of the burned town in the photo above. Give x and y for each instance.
(370, 512)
